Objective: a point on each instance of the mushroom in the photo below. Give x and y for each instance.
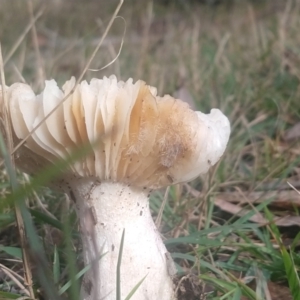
(139, 142)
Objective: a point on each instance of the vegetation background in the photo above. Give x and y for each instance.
(234, 233)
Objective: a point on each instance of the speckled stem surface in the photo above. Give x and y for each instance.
(105, 210)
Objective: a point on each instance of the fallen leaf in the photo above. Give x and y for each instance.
(293, 133)
(258, 217)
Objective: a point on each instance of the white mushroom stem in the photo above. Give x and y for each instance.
(105, 210)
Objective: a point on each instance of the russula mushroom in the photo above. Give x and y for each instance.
(139, 142)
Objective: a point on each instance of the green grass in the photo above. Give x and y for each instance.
(243, 59)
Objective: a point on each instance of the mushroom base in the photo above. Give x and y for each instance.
(105, 210)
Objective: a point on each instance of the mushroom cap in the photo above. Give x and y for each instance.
(136, 137)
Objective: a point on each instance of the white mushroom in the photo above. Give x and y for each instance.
(139, 142)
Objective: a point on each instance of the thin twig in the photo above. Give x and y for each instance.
(22, 36)
(293, 187)
(15, 280)
(19, 219)
(110, 46)
(12, 272)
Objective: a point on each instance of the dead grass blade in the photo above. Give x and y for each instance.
(285, 198)
(40, 69)
(9, 274)
(162, 207)
(22, 36)
(292, 186)
(145, 40)
(119, 52)
(19, 219)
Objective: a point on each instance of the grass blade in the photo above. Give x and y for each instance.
(13, 251)
(56, 266)
(77, 276)
(118, 290)
(291, 272)
(135, 288)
